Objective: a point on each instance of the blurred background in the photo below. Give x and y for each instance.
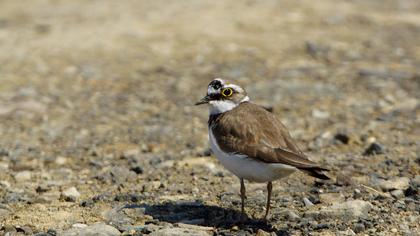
(96, 109)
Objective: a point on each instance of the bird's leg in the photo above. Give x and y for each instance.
(267, 207)
(243, 196)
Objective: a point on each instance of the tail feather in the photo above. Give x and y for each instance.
(316, 172)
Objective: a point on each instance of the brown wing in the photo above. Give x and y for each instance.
(261, 137)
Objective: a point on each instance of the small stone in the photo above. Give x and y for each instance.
(60, 161)
(9, 229)
(4, 184)
(87, 203)
(292, 216)
(346, 211)
(374, 149)
(357, 193)
(24, 229)
(92, 230)
(4, 213)
(71, 194)
(415, 181)
(320, 114)
(78, 225)
(343, 138)
(357, 228)
(261, 232)
(52, 232)
(401, 183)
(394, 230)
(23, 176)
(137, 169)
(331, 197)
(398, 193)
(307, 202)
(180, 232)
(48, 197)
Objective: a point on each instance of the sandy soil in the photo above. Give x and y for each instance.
(98, 95)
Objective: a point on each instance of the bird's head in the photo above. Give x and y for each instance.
(222, 96)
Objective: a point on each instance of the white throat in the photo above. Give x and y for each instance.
(217, 107)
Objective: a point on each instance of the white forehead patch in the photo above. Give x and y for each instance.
(235, 87)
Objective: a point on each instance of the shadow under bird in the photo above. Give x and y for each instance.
(250, 141)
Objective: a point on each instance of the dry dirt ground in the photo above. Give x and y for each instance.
(97, 122)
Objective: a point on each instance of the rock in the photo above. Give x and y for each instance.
(4, 213)
(316, 50)
(78, 225)
(117, 175)
(307, 202)
(331, 197)
(346, 211)
(374, 149)
(71, 194)
(343, 138)
(60, 161)
(48, 197)
(97, 229)
(292, 216)
(358, 228)
(9, 229)
(261, 232)
(4, 184)
(180, 232)
(415, 181)
(398, 183)
(195, 227)
(27, 230)
(137, 169)
(117, 217)
(320, 114)
(23, 176)
(398, 193)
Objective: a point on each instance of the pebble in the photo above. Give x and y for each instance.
(48, 197)
(292, 216)
(415, 181)
(398, 193)
(331, 197)
(4, 213)
(307, 202)
(117, 175)
(137, 169)
(320, 114)
(261, 232)
(342, 137)
(4, 184)
(71, 194)
(97, 229)
(398, 183)
(27, 230)
(349, 210)
(180, 232)
(23, 176)
(374, 149)
(358, 227)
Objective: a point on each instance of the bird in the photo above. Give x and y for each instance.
(250, 141)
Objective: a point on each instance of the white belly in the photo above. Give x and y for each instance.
(247, 168)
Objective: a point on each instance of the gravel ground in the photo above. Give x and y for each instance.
(98, 131)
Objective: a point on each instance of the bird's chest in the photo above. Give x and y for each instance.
(239, 165)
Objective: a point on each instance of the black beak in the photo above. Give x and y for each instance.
(204, 100)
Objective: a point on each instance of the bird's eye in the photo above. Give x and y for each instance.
(227, 92)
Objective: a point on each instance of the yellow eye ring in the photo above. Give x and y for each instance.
(227, 92)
